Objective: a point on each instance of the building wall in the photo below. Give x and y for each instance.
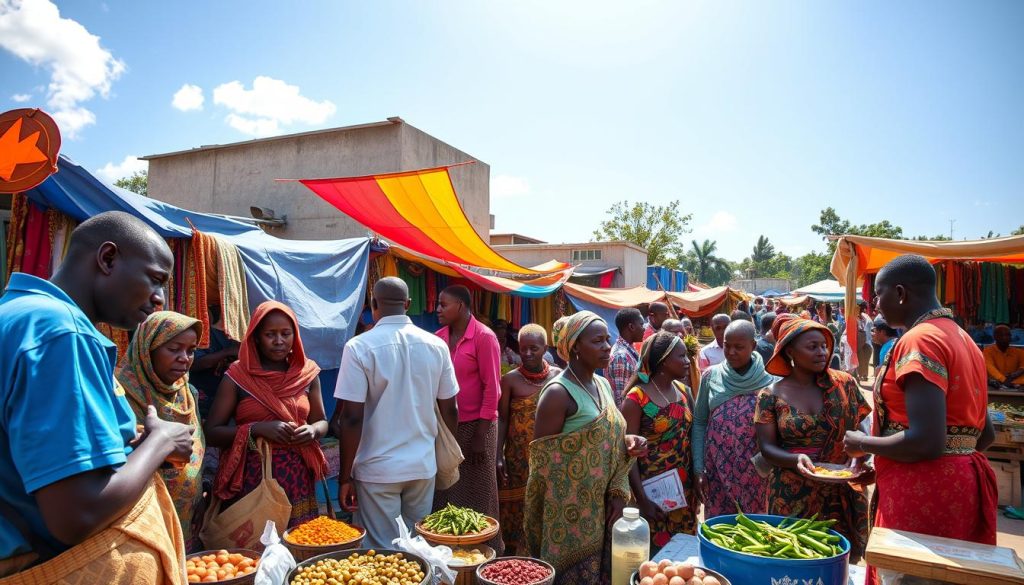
(759, 285)
(230, 180)
(630, 259)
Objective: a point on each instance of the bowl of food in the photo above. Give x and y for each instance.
(515, 571)
(466, 558)
(322, 535)
(455, 526)
(367, 566)
(235, 566)
(668, 572)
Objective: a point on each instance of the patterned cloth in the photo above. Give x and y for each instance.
(296, 479)
(477, 487)
(174, 402)
(225, 282)
(517, 467)
(621, 368)
(143, 546)
(731, 444)
(572, 476)
(820, 437)
(667, 430)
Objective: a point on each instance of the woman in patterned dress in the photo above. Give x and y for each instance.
(803, 419)
(520, 391)
(724, 441)
(659, 407)
(272, 393)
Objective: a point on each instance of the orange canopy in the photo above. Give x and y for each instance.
(614, 298)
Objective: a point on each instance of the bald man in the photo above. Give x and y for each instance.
(1005, 364)
(713, 353)
(72, 465)
(688, 326)
(657, 312)
(390, 379)
(674, 326)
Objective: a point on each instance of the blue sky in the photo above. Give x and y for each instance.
(755, 114)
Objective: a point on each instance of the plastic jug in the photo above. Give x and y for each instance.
(631, 545)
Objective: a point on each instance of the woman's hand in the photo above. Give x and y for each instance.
(275, 431)
(303, 434)
(650, 511)
(502, 472)
(614, 510)
(804, 465)
(854, 443)
(867, 476)
(636, 446)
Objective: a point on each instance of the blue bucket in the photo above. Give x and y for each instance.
(745, 569)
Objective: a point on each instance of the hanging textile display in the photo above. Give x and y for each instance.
(417, 286)
(35, 254)
(224, 262)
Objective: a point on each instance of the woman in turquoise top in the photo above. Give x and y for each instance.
(579, 459)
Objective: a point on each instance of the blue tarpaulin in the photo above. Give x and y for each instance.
(606, 313)
(673, 280)
(324, 282)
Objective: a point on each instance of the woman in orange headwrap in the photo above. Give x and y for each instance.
(272, 392)
(802, 419)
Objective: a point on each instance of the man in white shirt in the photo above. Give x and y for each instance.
(390, 378)
(714, 353)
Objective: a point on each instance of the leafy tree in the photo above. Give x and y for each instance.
(137, 183)
(830, 224)
(812, 267)
(936, 238)
(657, 228)
(1018, 232)
(702, 262)
(763, 251)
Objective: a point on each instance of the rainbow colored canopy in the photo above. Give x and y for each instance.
(534, 288)
(418, 210)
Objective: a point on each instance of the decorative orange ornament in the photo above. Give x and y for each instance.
(29, 145)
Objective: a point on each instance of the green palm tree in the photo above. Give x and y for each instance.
(763, 251)
(704, 264)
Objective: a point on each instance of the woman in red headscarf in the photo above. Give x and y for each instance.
(272, 393)
(802, 419)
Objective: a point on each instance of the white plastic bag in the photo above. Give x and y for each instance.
(276, 561)
(436, 556)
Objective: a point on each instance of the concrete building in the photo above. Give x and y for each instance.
(628, 260)
(756, 286)
(239, 179)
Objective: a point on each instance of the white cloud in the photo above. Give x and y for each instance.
(188, 98)
(111, 172)
(34, 31)
(270, 104)
(721, 221)
(21, 97)
(509, 186)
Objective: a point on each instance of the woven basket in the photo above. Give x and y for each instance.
(302, 552)
(424, 566)
(465, 539)
(244, 579)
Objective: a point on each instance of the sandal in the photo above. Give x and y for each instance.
(1011, 512)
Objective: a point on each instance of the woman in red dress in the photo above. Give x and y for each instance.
(931, 419)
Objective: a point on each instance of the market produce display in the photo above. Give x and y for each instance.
(515, 572)
(1007, 414)
(791, 539)
(829, 472)
(322, 531)
(219, 566)
(668, 572)
(456, 521)
(363, 569)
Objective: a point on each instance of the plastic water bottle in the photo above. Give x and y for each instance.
(631, 545)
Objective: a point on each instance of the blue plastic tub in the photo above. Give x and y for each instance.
(744, 569)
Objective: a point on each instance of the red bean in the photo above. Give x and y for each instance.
(515, 572)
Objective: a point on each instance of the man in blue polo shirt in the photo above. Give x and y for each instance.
(71, 464)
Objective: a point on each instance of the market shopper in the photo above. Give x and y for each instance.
(509, 356)
(75, 477)
(389, 381)
(622, 366)
(765, 341)
(271, 393)
(155, 373)
(712, 353)
(520, 392)
(657, 312)
(1005, 364)
(724, 440)
(476, 356)
(801, 420)
(659, 407)
(884, 337)
(688, 329)
(570, 508)
(931, 419)
(864, 345)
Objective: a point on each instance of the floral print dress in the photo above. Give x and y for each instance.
(667, 430)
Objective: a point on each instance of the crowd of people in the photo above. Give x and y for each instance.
(555, 453)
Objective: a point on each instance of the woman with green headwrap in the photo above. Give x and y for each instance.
(155, 372)
(579, 459)
(659, 406)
